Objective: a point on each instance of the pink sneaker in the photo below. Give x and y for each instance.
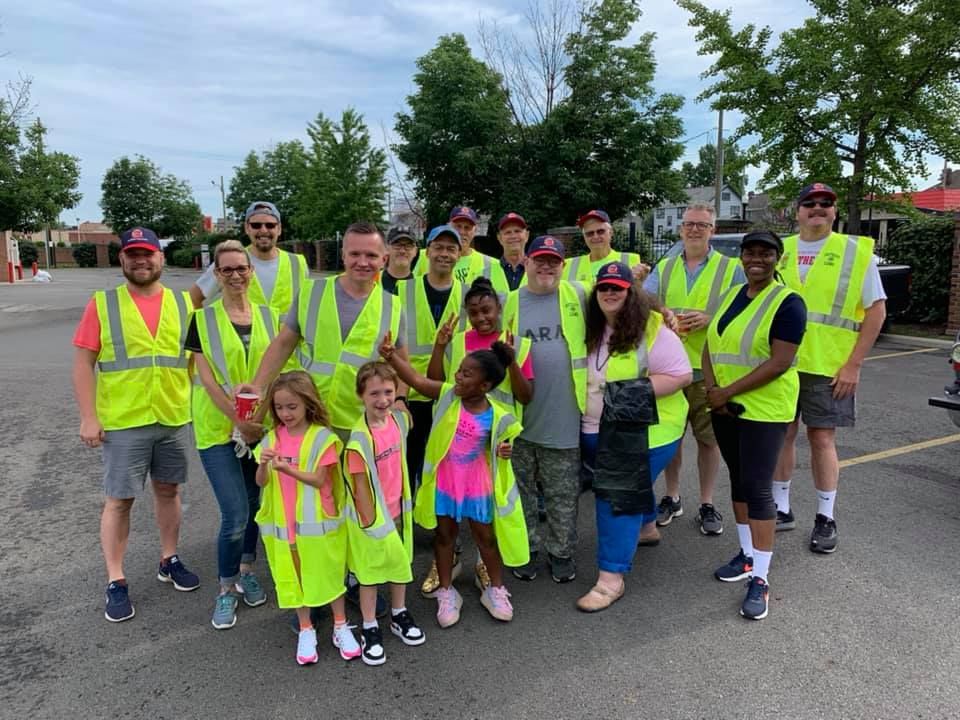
(448, 606)
(307, 647)
(346, 642)
(496, 601)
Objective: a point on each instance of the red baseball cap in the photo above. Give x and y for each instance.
(512, 217)
(593, 215)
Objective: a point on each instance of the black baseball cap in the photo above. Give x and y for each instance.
(763, 237)
(546, 245)
(400, 232)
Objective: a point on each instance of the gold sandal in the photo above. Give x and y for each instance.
(600, 597)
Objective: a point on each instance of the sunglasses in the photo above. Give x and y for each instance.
(240, 270)
(817, 203)
(258, 225)
(609, 287)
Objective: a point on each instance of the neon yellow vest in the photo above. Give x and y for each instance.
(291, 274)
(379, 553)
(715, 278)
(833, 292)
(671, 409)
(321, 540)
(331, 363)
(142, 378)
(502, 393)
(582, 269)
(509, 526)
(470, 267)
(572, 298)
(745, 345)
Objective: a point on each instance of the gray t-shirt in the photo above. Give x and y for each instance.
(266, 271)
(349, 309)
(552, 419)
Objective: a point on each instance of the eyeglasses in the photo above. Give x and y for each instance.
(690, 225)
(267, 225)
(240, 270)
(609, 287)
(817, 203)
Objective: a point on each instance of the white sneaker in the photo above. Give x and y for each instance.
(344, 639)
(449, 603)
(307, 647)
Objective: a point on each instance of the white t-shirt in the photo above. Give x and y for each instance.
(872, 286)
(266, 271)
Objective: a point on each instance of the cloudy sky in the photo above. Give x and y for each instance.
(196, 85)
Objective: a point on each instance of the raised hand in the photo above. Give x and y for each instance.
(387, 348)
(445, 331)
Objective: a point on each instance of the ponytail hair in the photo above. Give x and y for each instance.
(494, 362)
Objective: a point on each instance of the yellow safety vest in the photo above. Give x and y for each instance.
(582, 269)
(572, 299)
(332, 363)
(379, 553)
(142, 378)
(321, 541)
(833, 292)
(745, 345)
(292, 273)
(509, 526)
(715, 278)
(230, 364)
(477, 264)
(421, 329)
(672, 408)
(502, 393)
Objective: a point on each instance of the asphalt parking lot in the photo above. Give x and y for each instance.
(869, 632)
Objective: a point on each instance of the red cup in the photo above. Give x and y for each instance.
(245, 404)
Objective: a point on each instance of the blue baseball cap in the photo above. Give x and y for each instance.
(615, 273)
(546, 245)
(593, 215)
(261, 207)
(140, 237)
(440, 230)
(461, 212)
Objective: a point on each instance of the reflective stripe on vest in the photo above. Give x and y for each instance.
(840, 293)
(716, 286)
(121, 360)
(414, 290)
(217, 355)
(745, 358)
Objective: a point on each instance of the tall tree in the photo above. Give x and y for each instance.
(704, 171)
(135, 192)
(277, 175)
(856, 96)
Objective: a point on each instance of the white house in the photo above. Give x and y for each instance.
(667, 217)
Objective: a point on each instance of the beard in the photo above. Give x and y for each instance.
(132, 277)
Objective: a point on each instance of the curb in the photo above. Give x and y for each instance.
(922, 342)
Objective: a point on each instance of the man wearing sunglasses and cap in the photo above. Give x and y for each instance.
(598, 234)
(277, 274)
(837, 277)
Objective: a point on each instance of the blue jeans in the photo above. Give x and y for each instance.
(235, 487)
(617, 535)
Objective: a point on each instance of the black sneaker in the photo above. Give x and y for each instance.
(785, 521)
(667, 510)
(739, 568)
(709, 520)
(119, 607)
(173, 571)
(353, 595)
(527, 572)
(371, 642)
(562, 570)
(403, 626)
(316, 615)
(755, 603)
(823, 539)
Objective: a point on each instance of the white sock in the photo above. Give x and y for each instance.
(369, 625)
(825, 500)
(479, 558)
(761, 563)
(396, 611)
(781, 495)
(746, 539)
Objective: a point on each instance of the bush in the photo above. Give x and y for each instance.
(183, 257)
(926, 245)
(85, 255)
(28, 253)
(113, 254)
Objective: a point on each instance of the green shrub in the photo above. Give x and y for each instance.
(183, 257)
(28, 253)
(113, 254)
(926, 245)
(85, 255)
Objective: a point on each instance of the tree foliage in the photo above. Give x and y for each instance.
(704, 172)
(855, 97)
(136, 192)
(276, 175)
(925, 244)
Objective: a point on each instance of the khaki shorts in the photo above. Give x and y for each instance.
(130, 455)
(698, 414)
(817, 407)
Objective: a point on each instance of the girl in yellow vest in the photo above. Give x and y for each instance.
(379, 510)
(467, 475)
(301, 511)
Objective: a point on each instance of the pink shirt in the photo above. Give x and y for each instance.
(288, 447)
(87, 335)
(666, 357)
(386, 447)
(464, 472)
(475, 341)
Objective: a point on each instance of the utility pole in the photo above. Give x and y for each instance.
(718, 181)
(223, 202)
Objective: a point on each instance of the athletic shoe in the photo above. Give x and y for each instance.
(562, 570)
(740, 568)
(527, 572)
(667, 510)
(403, 626)
(823, 539)
(316, 615)
(353, 595)
(449, 603)
(371, 640)
(225, 611)
(119, 607)
(481, 578)
(755, 603)
(785, 521)
(431, 583)
(344, 639)
(307, 647)
(173, 571)
(497, 602)
(709, 520)
(251, 590)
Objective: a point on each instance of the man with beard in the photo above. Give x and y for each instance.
(277, 274)
(133, 392)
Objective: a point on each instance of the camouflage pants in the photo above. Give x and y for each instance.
(558, 473)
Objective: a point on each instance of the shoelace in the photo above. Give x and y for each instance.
(224, 602)
(709, 511)
(499, 595)
(250, 583)
(446, 601)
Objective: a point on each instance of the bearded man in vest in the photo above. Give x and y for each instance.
(691, 285)
(838, 278)
(132, 388)
(278, 274)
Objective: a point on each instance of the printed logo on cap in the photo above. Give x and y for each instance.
(613, 269)
(136, 233)
(548, 242)
(819, 186)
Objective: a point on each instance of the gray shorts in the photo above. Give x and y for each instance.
(128, 455)
(817, 406)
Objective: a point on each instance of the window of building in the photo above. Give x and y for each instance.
(669, 221)
(734, 211)
(725, 195)
(660, 212)
(680, 212)
(659, 231)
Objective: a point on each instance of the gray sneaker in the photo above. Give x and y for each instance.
(667, 510)
(253, 593)
(225, 611)
(527, 572)
(709, 520)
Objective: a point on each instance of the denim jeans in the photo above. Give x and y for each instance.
(235, 487)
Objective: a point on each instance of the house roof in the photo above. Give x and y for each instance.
(704, 195)
(933, 198)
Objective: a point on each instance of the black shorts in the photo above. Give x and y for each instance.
(817, 407)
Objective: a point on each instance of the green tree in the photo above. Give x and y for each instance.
(704, 172)
(345, 177)
(277, 175)
(135, 192)
(855, 97)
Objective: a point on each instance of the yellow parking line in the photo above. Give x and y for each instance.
(905, 352)
(892, 452)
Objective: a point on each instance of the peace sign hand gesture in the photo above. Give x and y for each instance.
(387, 348)
(445, 331)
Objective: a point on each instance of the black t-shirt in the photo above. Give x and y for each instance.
(193, 344)
(436, 299)
(389, 282)
(788, 324)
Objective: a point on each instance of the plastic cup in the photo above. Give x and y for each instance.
(245, 404)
